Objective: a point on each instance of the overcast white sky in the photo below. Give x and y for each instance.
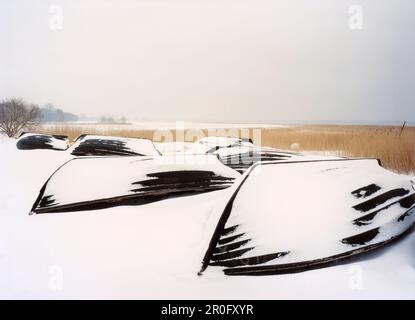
(213, 60)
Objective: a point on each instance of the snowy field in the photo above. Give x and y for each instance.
(154, 251)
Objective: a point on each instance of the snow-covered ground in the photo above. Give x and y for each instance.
(153, 251)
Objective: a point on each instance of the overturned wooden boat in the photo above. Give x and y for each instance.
(242, 157)
(91, 183)
(96, 145)
(213, 143)
(37, 141)
(241, 153)
(293, 216)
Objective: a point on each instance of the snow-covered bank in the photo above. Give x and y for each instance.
(154, 250)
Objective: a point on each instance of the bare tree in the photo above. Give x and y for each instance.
(16, 115)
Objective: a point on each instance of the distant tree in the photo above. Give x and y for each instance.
(107, 119)
(51, 114)
(83, 117)
(16, 115)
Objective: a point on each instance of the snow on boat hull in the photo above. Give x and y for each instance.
(93, 145)
(35, 141)
(240, 154)
(287, 217)
(241, 158)
(104, 182)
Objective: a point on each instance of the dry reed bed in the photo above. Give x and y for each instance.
(394, 148)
